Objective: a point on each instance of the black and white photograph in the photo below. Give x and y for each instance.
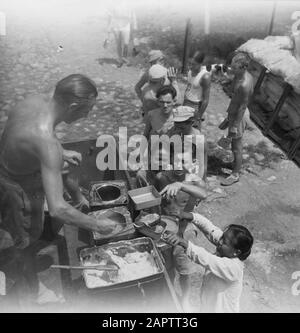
(149, 158)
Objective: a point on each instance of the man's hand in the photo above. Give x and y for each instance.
(171, 190)
(174, 239)
(72, 157)
(172, 73)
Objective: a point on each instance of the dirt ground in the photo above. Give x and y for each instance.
(266, 200)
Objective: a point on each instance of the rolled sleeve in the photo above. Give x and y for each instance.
(212, 232)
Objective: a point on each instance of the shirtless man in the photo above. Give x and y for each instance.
(31, 165)
(236, 121)
(158, 76)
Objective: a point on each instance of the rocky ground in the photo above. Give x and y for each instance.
(266, 200)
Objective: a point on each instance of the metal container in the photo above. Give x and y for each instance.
(144, 244)
(153, 229)
(109, 193)
(120, 215)
(145, 197)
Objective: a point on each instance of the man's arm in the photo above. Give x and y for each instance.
(50, 154)
(148, 127)
(237, 108)
(205, 159)
(197, 191)
(205, 84)
(138, 87)
(172, 76)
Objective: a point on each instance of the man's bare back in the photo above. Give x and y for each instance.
(28, 127)
(31, 158)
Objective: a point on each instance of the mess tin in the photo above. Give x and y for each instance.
(145, 197)
(153, 229)
(122, 227)
(109, 193)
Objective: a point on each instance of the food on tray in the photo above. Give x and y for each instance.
(112, 222)
(159, 229)
(149, 218)
(132, 266)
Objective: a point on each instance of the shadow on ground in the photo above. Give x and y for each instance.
(108, 61)
(262, 154)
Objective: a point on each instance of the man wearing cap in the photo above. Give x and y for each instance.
(154, 57)
(157, 122)
(184, 188)
(159, 76)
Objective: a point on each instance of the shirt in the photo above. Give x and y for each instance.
(193, 91)
(223, 279)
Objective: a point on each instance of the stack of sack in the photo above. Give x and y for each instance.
(276, 54)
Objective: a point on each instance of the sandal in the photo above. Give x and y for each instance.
(230, 180)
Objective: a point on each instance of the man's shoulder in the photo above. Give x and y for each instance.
(152, 113)
(205, 77)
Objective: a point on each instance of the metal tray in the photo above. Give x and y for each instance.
(150, 229)
(143, 244)
(145, 197)
(122, 216)
(109, 193)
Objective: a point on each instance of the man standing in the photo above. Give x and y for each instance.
(31, 163)
(159, 76)
(198, 89)
(122, 21)
(154, 57)
(236, 121)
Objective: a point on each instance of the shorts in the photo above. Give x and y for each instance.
(196, 106)
(242, 126)
(123, 33)
(183, 264)
(22, 211)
